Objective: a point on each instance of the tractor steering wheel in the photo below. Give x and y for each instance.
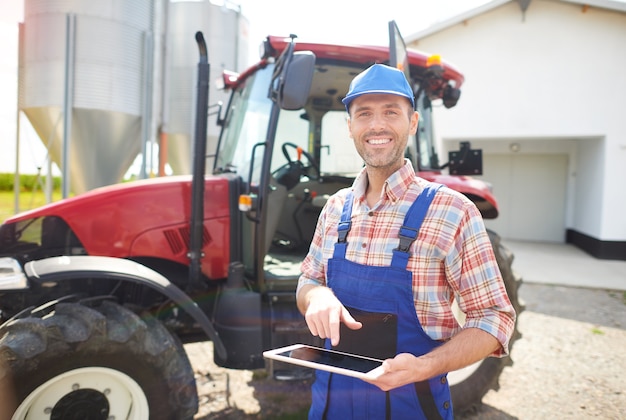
(290, 173)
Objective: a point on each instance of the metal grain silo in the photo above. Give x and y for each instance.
(226, 33)
(107, 82)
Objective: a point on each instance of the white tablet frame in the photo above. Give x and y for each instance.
(371, 375)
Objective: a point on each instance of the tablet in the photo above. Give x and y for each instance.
(330, 360)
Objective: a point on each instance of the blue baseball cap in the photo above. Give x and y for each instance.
(379, 78)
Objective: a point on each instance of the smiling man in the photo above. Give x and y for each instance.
(388, 256)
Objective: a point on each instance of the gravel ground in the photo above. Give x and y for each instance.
(243, 394)
(569, 364)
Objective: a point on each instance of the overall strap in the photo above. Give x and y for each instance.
(412, 223)
(344, 227)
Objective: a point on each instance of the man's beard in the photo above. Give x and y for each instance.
(381, 159)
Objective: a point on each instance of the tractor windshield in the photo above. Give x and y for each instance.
(320, 129)
(426, 155)
(323, 134)
(245, 126)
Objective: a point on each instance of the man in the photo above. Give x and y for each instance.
(388, 257)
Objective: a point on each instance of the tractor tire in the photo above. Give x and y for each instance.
(96, 362)
(468, 386)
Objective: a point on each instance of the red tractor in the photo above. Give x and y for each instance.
(98, 292)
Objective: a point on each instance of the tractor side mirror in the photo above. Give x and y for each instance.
(296, 85)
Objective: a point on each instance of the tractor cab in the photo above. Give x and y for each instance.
(291, 158)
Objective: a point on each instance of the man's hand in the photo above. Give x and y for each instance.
(467, 347)
(323, 312)
(401, 370)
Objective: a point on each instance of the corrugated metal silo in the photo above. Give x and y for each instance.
(108, 83)
(226, 32)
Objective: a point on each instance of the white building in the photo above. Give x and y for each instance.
(544, 98)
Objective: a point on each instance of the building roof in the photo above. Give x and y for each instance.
(615, 5)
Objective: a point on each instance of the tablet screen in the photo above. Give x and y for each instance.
(331, 358)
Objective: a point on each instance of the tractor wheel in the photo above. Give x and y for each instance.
(96, 362)
(469, 385)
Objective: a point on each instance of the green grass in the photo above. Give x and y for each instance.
(597, 331)
(27, 201)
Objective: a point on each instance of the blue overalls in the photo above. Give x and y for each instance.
(383, 295)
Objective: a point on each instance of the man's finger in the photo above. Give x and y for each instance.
(310, 322)
(349, 320)
(334, 318)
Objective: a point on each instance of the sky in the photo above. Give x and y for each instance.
(346, 21)
(342, 21)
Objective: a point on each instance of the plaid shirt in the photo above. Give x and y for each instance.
(451, 258)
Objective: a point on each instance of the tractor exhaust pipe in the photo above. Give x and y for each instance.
(199, 165)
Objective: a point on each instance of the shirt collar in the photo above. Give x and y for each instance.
(395, 186)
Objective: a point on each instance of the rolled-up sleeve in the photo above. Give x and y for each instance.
(473, 272)
(313, 267)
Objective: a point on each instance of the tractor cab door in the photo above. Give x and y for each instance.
(249, 148)
(253, 313)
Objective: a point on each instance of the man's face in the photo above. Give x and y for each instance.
(380, 125)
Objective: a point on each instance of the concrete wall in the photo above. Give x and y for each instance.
(552, 81)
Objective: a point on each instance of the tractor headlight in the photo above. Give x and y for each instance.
(11, 275)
